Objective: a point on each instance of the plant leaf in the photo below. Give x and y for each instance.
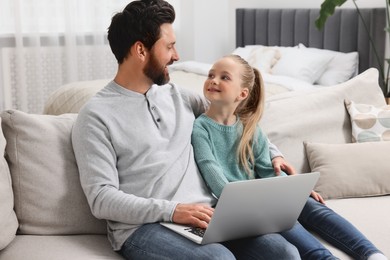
(327, 9)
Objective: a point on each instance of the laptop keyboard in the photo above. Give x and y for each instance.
(197, 231)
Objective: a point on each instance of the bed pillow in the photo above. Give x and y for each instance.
(301, 64)
(369, 123)
(342, 66)
(350, 170)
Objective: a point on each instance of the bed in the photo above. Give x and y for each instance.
(292, 54)
(284, 45)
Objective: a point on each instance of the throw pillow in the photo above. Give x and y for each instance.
(369, 123)
(264, 58)
(48, 196)
(245, 52)
(69, 98)
(350, 170)
(8, 221)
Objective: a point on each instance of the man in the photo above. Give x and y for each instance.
(133, 150)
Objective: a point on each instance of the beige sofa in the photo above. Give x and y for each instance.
(44, 214)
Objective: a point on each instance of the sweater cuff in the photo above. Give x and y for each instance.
(172, 209)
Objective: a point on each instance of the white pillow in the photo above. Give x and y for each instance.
(301, 64)
(341, 68)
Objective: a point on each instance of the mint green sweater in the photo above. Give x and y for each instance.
(215, 149)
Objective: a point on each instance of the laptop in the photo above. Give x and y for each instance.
(253, 207)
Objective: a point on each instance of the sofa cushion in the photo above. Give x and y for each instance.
(74, 247)
(369, 123)
(369, 215)
(316, 115)
(71, 97)
(48, 194)
(350, 170)
(8, 221)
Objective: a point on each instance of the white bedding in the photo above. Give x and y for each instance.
(192, 74)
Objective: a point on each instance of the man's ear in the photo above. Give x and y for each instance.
(139, 50)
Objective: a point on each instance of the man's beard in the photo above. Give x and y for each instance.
(155, 71)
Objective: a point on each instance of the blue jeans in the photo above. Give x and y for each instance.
(308, 246)
(331, 227)
(153, 241)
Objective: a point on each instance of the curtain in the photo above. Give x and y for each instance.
(45, 44)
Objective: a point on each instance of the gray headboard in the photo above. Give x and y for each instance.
(343, 31)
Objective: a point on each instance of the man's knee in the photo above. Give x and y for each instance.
(289, 251)
(213, 251)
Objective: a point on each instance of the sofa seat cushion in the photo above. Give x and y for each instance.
(75, 247)
(49, 199)
(370, 215)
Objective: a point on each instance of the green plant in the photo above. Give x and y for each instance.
(327, 9)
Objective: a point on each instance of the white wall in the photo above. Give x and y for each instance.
(205, 29)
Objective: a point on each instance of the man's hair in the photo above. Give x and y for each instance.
(139, 21)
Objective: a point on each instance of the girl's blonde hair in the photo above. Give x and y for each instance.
(249, 111)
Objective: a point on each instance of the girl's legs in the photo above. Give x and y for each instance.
(336, 230)
(308, 246)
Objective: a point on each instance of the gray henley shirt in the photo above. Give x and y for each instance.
(135, 156)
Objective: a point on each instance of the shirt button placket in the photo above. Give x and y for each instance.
(155, 114)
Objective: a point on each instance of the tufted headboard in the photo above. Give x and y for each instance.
(344, 31)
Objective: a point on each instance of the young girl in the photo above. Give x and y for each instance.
(230, 146)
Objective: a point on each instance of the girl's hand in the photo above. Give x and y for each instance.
(317, 197)
(280, 164)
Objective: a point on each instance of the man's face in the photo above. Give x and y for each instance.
(162, 54)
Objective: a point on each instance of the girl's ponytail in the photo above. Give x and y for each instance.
(250, 112)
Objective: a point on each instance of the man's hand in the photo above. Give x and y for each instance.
(197, 215)
(280, 164)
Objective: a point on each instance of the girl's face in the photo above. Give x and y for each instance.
(223, 85)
